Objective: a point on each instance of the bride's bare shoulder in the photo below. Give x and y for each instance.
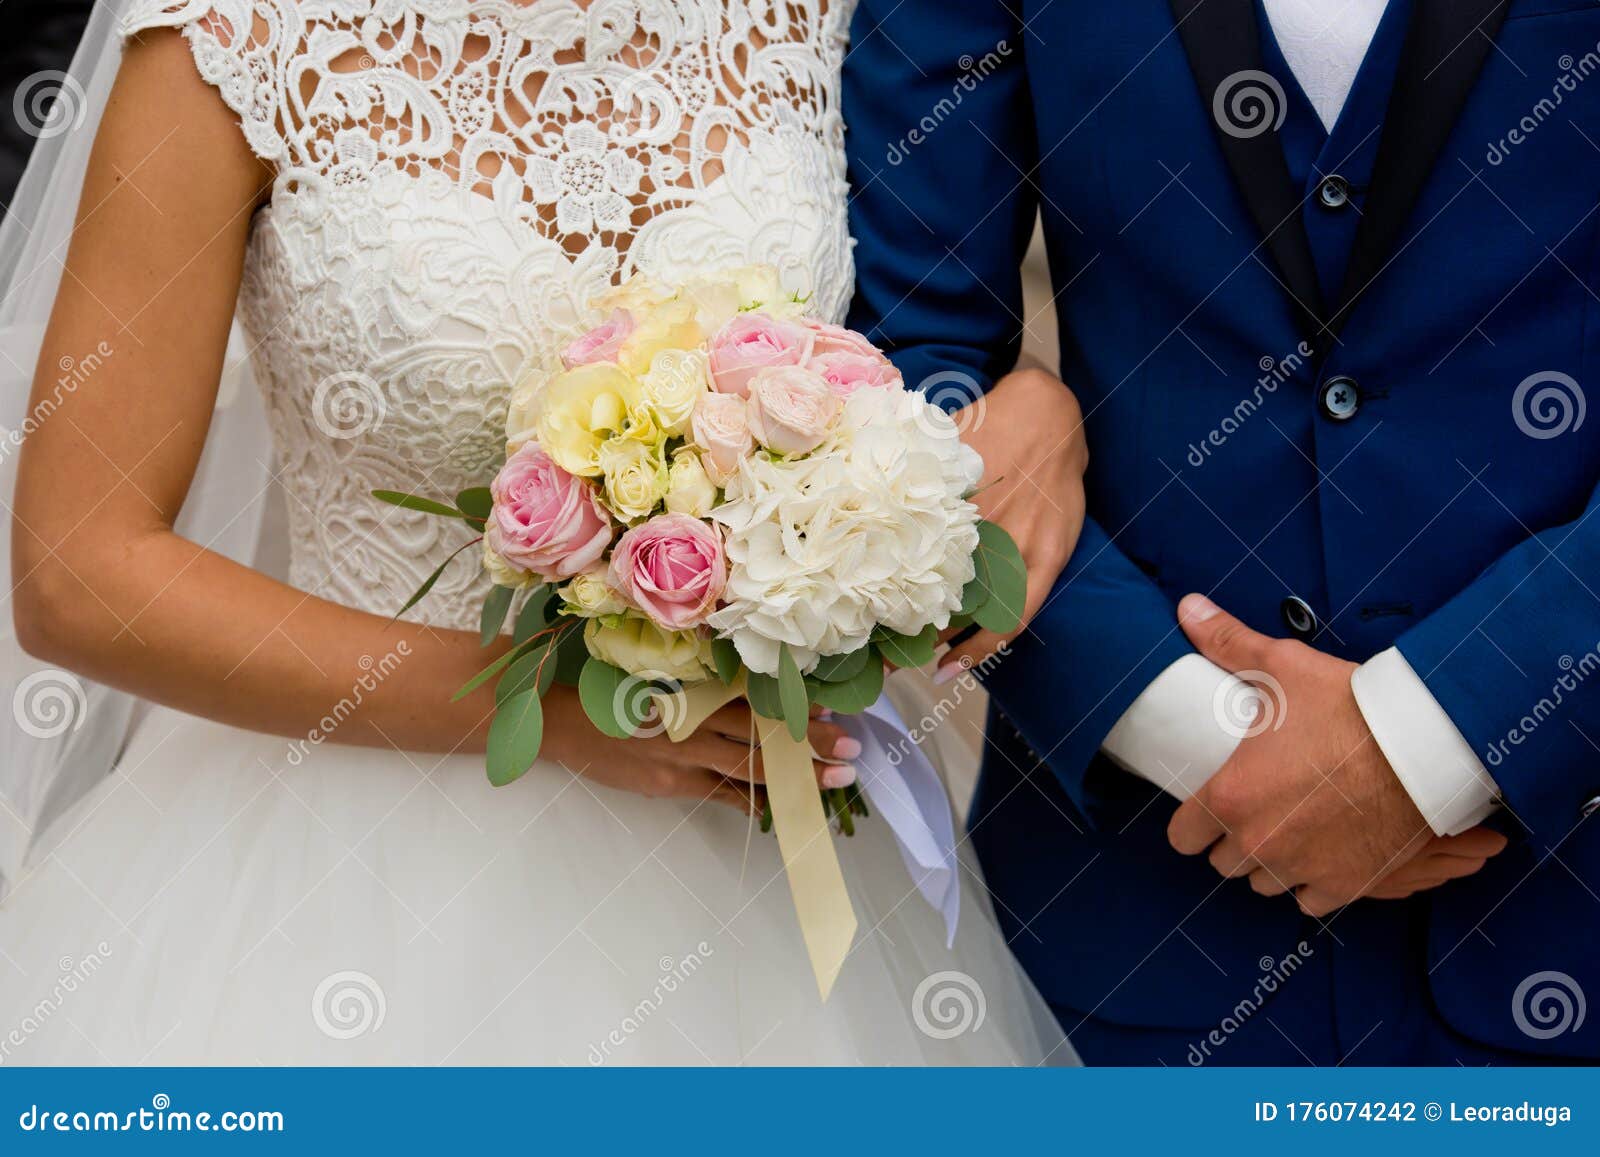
(160, 100)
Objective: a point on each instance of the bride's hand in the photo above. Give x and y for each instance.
(1029, 430)
(717, 762)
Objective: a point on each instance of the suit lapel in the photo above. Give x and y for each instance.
(1445, 47)
(1222, 39)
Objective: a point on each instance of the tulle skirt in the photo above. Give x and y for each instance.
(233, 898)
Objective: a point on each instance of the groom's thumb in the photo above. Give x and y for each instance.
(1220, 637)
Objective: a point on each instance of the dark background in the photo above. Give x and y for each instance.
(35, 36)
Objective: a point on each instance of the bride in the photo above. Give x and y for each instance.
(296, 858)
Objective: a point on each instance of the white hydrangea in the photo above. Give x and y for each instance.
(871, 528)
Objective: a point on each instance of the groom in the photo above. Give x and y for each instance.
(1329, 291)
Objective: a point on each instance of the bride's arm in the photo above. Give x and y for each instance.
(101, 582)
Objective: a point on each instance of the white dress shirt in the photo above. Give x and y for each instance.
(1174, 734)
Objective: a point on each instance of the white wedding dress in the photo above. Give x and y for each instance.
(454, 181)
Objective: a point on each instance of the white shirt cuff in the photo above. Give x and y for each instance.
(1171, 735)
(1433, 761)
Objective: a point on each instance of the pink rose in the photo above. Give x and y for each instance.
(835, 339)
(720, 430)
(600, 344)
(544, 520)
(752, 342)
(791, 409)
(847, 373)
(672, 568)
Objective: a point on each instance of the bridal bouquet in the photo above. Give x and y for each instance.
(716, 497)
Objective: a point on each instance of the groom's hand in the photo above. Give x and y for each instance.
(1307, 802)
(1029, 430)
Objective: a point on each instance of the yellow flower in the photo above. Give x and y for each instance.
(637, 295)
(639, 647)
(635, 477)
(689, 490)
(501, 572)
(579, 410)
(668, 326)
(589, 596)
(673, 385)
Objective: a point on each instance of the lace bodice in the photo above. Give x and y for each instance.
(455, 179)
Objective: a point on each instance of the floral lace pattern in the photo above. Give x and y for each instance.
(455, 179)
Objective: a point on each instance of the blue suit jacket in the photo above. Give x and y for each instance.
(1209, 288)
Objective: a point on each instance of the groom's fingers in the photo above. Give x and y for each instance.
(1222, 638)
(1230, 859)
(1266, 883)
(1193, 827)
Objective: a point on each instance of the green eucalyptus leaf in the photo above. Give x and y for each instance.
(488, 673)
(531, 617)
(571, 654)
(792, 694)
(907, 650)
(838, 668)
(604, 692)
(536, 667)
(726, 657)
(766, 699)
(416, 502)
(973, 595)
(515, 734)
(427, 583)
(1001, 572)
(853, 695)
(475, 503)
(495, 606)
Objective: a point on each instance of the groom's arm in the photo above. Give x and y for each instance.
(1514, 662)
(939, 137)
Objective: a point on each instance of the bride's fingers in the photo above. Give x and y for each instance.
(736, 761)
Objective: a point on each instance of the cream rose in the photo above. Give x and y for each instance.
(791, 409)
(639, 647)
(635, 476)
(588, 596)
(720, 428)
(675, 382)
(689, 489)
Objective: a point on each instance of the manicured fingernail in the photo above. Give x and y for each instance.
(1196, 609)
(825, 714)
(846, 748)
(946, 673)
(841, 776)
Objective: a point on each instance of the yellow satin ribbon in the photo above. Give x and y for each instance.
(827, 921)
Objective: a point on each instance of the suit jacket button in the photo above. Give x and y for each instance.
(1299, 617)
(1589, 808)
(1334, 192)
(1340, 399)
